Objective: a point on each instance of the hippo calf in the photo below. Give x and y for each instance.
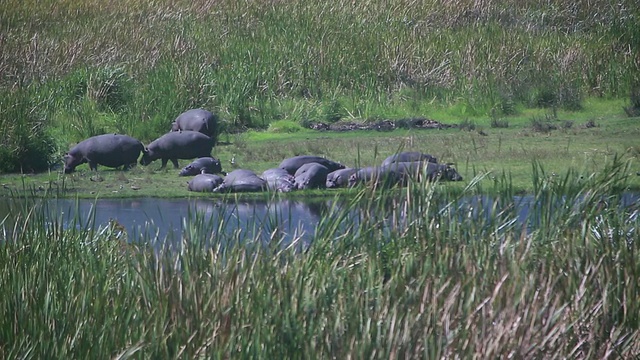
(242, 181)
(111, 150)
(199, 120)
(311, 176)
(177, 145)
(409, 156)
(294, 163)
(339, 178)
(203, 165)
(204, 183)
(279, 180)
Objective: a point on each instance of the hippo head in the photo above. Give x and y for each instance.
(146, 157)
(449, 173)
(190, 170)
(70, 162)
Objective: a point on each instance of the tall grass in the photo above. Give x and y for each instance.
(432, 274)
(142, 63)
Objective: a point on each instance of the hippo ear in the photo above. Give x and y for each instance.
(449, 164)
(145, 150)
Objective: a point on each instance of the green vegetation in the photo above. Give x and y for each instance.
(73, 69)
(416, 278)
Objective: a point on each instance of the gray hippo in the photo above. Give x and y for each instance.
(294, 163)
(241, 180)
(409, 156)
(111, 150)
(374, 175)
(421, 170)
(177, 145)
(279, 180)
(206, 165)
(200, 120)
(204, 182)
(311, 176)
(339, 178)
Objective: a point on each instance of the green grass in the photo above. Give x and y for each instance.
(77, 69)
(413, 280)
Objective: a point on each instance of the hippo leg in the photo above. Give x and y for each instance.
(164, 163)
(175, 163)
(93, 165)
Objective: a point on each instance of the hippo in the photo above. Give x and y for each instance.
(241, 180)
(339, 178)
(204, 182)
(206, 165)
(294, 163)
(200, 120)
(111, 150)
(418, 170)
(409, 156)
(177, 145)
(279, 180)
(374, 175)
(311, 176)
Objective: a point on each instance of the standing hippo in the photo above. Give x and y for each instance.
(279, 180)
(339, 178)
(204, 182)
(420, 170)
(200, 120)
(177, 145)
(111, 150)
(311, 176)
(242, 181)
(206, 165)
(294, 163)
(409, 156)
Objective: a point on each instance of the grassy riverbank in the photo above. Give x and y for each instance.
(416, 280)
(71, 70)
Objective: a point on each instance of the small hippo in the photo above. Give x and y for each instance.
(339, 178)
(206, 165)
(111, 150)
(294, 163)
(242, 181)
(204, 182)
(279, 180)
(200, 120)
(177, 145)
(374, 175)
(409, 156)
(311, 176)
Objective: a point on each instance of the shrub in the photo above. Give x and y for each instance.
(284, 126)
(543, 125)
(633, 109)
(468, 125)
(499, 123)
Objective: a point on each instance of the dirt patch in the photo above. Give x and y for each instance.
(382, 125)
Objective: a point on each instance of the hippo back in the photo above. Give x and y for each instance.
(178, 145)
(409, 156)
(291, 165)
(199, 120)
(111, 150)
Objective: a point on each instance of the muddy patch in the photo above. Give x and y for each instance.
(382, 125)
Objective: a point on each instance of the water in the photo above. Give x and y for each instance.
(287, 220)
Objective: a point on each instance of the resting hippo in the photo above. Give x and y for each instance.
(294, 163)
(339, 178)
(418, 170)
(241, 181)
(311, 176)
(203, 165)
(374, 175)
(177, 145)
(409, 156)
(110, 150)
(204, 183)
(200, 120)
(279, 180)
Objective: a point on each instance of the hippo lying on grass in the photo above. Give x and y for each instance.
(339, 178)
(242, 181)
(177, 145)
(311, 176)
(279, 180)
(206, 165)
(293, 164)
(400, 173)
(111, 150)
(199, 120)
(204, 183)
(409, 156)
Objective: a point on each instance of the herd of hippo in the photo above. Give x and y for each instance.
(193, 135)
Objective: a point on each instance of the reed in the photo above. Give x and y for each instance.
(424, 273)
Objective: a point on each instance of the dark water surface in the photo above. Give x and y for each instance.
(172, 219)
